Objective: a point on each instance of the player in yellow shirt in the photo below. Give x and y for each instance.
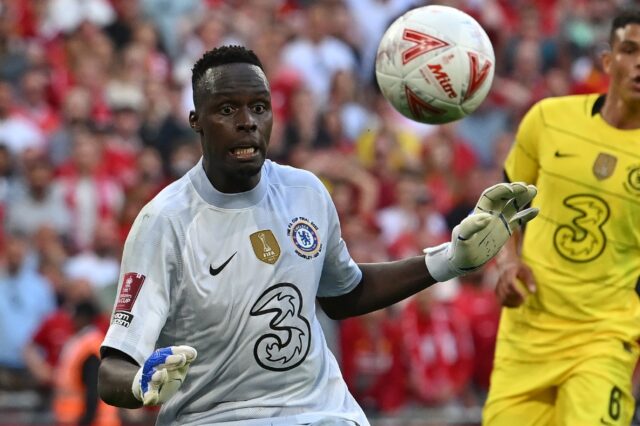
(568, 338)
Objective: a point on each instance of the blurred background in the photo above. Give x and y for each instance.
(94, 98)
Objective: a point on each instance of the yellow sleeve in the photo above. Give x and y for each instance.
(522, 162)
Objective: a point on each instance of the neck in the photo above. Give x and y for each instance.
(230, 184)
(620, 114)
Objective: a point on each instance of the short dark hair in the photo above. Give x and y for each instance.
(221, 56)
(621, 20)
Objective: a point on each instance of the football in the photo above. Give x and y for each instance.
(435, 64)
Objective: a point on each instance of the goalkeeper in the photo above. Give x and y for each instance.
(216, 316)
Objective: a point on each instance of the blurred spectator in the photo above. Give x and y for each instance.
(304, 128)
(184, 155)
(66, 15)
(25, 300)
(91, 194)
(13, 58)
(439, 347)
(405, 218)
(353, 116)
(40, 202)
(76, 400)
(34, 103)
(447, 162)
(477, 302)
(165, 125)
(16, 132)
(121, 29)
(387, 149)
(173, 20)
(316, 54)
(42, 352)
(372, 361)
(99, 264)
(76, 114)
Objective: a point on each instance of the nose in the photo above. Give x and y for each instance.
(245, 121)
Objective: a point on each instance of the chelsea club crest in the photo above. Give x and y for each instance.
(304, 235)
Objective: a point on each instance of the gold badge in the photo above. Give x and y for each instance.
(265, 246)
(604, 165)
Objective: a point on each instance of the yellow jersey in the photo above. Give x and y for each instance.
(584, 247)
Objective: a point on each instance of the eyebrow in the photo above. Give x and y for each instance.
(232, 94)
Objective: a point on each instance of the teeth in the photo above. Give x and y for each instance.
(244, 151)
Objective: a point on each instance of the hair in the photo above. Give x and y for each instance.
(621, 20)
(220, 56)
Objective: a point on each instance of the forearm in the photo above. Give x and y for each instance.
(382, 284)
(510, 252)
(114, 382)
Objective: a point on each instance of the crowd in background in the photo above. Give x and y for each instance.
(94, 98)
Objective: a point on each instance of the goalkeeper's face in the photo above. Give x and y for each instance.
(233, 116)
(622, 63)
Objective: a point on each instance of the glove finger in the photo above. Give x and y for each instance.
(151, 396)
(182, 355)
(189, 352)
(523, 194)
(494, 198)
(521, 218)
(471, 225)
(173, 361)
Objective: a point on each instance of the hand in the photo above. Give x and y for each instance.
(481, 235)
(162, 374)
(509, 290)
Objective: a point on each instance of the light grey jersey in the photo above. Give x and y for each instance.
(236, 277)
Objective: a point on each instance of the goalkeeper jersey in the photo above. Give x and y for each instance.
(584, 247)
(236, 277)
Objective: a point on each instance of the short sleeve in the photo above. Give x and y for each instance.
(340, 273)
(150, 265)
(522, 162)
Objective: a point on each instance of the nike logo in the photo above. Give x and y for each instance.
(559, 154)
(215, 271)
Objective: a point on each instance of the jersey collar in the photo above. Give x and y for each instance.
(219, 199)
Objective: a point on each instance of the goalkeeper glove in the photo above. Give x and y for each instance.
(481, 235)
(162, 374)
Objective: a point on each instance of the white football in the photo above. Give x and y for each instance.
(435, 64)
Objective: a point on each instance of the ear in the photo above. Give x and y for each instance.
(193, 121)
(605, 58)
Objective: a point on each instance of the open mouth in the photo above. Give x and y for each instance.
(244, 153)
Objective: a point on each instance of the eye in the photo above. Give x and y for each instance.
(226, 110)
(259, 108)
(628, 48)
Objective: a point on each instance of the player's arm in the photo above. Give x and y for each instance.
(515, 279)
(475, 241)
(115, 376)
(382, 284)
(121, 382)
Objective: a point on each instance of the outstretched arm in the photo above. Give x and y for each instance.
(475, 241)
(382, 284)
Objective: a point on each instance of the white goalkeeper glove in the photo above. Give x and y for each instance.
(162, 374)
(481, 235)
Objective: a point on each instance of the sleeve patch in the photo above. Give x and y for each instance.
(131, 285)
